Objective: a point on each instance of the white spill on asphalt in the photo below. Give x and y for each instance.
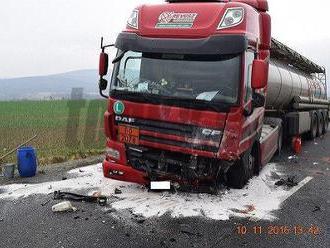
(258, 200)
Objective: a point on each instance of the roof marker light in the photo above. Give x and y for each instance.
(133, 20)
(231, 18)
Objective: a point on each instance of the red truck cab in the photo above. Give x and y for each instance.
(187, 94)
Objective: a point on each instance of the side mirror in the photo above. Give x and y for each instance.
(103, 64)
(259, 74)
(103, 83)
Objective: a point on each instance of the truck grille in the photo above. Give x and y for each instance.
(181, 135)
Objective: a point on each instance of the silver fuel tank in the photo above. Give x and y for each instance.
(285, 83)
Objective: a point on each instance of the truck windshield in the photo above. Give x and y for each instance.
(206, 78)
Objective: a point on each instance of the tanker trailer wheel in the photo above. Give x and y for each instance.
(240, 173)
(325, 123)
(320, 124)
(313, 129)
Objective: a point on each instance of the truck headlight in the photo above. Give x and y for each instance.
(112, 153)
(231, 18)
(133, 20)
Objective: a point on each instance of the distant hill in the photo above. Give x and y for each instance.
(56, 86)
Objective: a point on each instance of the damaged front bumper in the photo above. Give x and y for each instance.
(201, 183)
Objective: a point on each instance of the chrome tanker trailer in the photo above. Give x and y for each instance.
(297, 93)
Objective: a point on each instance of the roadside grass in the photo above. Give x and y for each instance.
(66, 129)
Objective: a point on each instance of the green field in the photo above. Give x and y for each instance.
(66, 129)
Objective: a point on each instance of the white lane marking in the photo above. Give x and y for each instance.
(301, 184)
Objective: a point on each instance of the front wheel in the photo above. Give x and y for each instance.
(241, 172)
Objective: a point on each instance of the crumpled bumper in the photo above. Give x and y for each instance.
(117, 171)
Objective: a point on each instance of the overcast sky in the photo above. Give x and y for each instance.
(40, 37)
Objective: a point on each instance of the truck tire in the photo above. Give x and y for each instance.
(320, 124)
(313, 128)
(280, 140)
(325, 123)
(239, 174)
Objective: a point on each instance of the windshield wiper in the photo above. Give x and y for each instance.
(119, 57)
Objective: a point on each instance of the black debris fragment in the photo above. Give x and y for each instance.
(117, 191)
(101, 200)
(289, 182)
(64, 178)
(45, 202)
(316, 208)
(140, 221)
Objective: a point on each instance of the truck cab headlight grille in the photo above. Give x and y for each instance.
(133, 20)
(231, 18)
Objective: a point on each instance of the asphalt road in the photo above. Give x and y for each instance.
(302, 221)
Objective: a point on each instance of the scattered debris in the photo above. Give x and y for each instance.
(64, 178)
(45, 203)
(249, 208)
(50, 187)
(289, 182)
(63, 207)
(1, 220)
(315, 143)
(141, 220)
(81, 170)
(172, 240)
(316, 208)
(293, 158)
(191, 233)
(117, 191)
(101, 200)
(76, 217)
(315, 163)
(97, 194)
(274, 176)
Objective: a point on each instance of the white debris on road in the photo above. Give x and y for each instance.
(258, 200)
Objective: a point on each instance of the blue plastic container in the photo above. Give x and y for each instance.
(27, 161)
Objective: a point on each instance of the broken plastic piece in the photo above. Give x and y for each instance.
(63, 207)
(101, 200)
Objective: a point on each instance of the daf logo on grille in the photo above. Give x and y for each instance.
(210, 132)
(124, 119)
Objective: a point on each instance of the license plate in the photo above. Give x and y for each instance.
(160, 185)
(129, 134)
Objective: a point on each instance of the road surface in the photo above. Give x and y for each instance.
(289, 217)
